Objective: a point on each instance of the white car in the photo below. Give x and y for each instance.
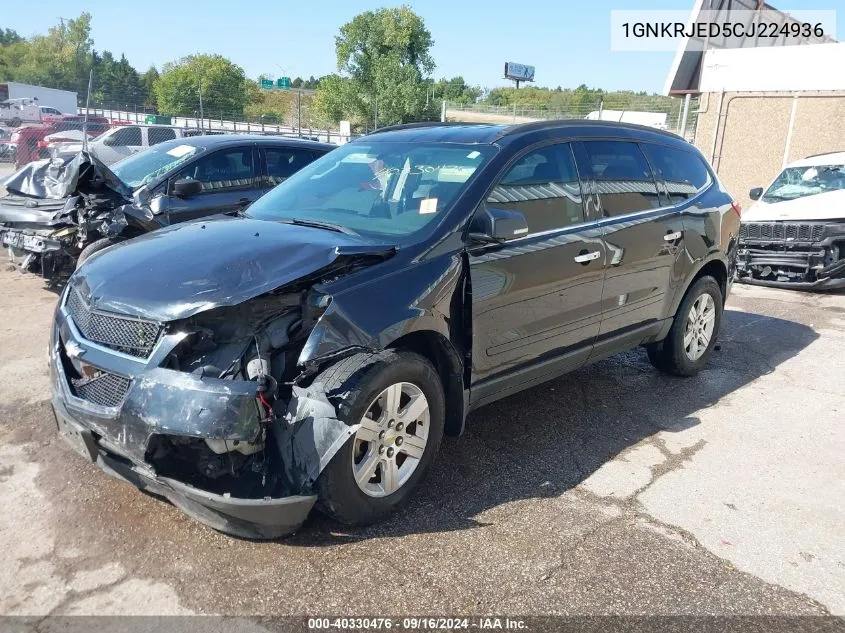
(122, 141)
(794, 234)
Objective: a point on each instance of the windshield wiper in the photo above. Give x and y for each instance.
(319, 224)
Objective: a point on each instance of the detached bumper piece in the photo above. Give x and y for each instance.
(805, 256)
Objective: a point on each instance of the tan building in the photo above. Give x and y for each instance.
(762, 106)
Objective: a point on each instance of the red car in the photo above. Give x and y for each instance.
(28, 141)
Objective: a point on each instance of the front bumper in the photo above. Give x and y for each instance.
(799, 256)
(164, 402)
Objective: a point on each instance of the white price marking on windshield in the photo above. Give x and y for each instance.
(180, 150)
(428, 205)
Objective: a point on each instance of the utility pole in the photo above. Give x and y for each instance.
(202, 115)
(299, 112)
(87, 105)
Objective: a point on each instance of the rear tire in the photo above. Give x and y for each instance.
(94, 247)
(687, 348)
(376, 470)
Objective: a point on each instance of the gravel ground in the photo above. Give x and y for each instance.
(614, 490)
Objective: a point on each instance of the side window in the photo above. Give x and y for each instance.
(543, 185)
(127, 137)
(623, 177)
(684, 173)
(226, 170)
(156, 135)
(284, 162)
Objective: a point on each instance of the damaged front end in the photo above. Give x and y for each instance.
(209, 408)
(54, 208)
(808, 255)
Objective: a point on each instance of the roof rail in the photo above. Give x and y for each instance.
(556, 123)
(825, 154)
(411, 126)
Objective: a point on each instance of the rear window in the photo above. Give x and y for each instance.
(623, 177)
(684, 173)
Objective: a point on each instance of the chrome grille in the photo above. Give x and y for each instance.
(781, 231)
(131, 336)
(105, 389)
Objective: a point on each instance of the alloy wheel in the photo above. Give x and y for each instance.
(391, 439)
(698, 330)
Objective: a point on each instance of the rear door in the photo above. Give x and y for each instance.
(124, 142)
(536, 300)
(643, 235)
(229, 183)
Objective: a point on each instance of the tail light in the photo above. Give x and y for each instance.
(43, 144)
(737, 207)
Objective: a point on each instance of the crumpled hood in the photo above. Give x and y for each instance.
(181, 270)
(822, 206)
(58, 178)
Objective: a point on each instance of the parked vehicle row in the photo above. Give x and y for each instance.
(314, 348)
(59, 212)
(794, 235)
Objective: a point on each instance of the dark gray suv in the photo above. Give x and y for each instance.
(315, 349)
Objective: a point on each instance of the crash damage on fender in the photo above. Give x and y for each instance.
(201, 390)
(54, 207)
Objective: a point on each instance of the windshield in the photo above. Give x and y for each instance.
(379, 188)
(143, 167)
(799, 182)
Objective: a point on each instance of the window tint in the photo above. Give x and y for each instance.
(223, 171)
(284, 162)
(623, 177)
(683, 172)
(543, 185)
(158, 135)
(127, 136)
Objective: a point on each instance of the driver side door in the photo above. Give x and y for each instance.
(229, 183)
(536, 299)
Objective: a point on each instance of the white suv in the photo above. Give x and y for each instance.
(122, 141)
(794, 234)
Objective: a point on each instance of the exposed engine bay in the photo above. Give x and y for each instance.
(210, 403)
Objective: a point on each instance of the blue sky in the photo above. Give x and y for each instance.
(567, 41)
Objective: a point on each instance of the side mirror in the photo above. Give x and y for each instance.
(186, 188)
(497, 225)
(755, 193)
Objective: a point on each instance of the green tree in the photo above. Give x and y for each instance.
(148, 81)
(384, 60)
(225, 89)
(9, 36)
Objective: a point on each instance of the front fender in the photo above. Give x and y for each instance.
(423, 296)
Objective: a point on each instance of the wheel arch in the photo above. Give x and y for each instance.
(436, 348)
(715, 267)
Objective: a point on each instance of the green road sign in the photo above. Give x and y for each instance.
(283, 83)
(267, 84)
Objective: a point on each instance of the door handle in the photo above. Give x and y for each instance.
(671, 237)
(585, 256)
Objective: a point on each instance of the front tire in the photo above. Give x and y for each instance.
(687, 348)
(95, 246)
(397, 398)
